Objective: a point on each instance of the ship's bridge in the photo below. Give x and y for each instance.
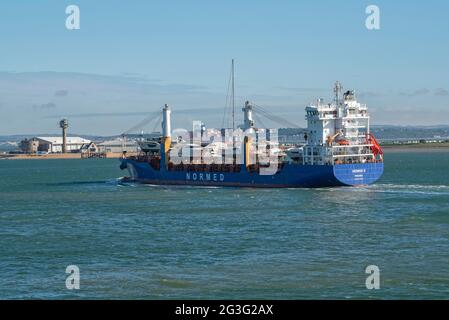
(338, 131)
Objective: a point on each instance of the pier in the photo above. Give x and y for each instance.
(94, 155)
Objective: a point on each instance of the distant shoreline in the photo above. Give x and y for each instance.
(109, 155)
(422, 147)
(419, 148)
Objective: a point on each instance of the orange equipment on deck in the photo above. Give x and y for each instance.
(343, 142)
(375, 146)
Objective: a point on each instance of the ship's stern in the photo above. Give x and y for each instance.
(358, 174)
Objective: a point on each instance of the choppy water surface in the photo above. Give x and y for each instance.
(134, 241)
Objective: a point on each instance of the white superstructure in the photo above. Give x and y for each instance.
(248, 121)
(338, 132)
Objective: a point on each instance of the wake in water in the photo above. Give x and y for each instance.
(438, 190)
(81, 183)
(405, 189)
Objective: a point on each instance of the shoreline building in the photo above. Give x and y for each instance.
(52, 144)
(118, 145)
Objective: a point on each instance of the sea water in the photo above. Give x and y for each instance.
(134, 241)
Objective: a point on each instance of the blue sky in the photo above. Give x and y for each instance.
(129, 58)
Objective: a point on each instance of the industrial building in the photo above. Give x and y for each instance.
(65, 144)
(29, 145)
(53, 144)
(90, 147)
(118, 145)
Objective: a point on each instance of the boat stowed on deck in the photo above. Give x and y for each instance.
(339, 151)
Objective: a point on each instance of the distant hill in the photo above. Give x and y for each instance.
(391, 132)
(386, 133)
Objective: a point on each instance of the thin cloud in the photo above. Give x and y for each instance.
(292, 89)
(417, 92)
(61, 93)
(421, 92)
(138, 77)
(369, 94)
(49, 105)
(135, 113)
(441, 92)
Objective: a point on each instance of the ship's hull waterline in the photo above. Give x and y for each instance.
(290, 176)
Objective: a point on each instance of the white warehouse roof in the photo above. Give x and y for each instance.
(70, 140)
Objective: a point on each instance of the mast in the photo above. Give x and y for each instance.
(233, 96)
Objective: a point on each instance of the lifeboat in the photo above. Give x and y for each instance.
(343, 142)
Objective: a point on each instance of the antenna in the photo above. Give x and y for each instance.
(233, 96)
(337, 90)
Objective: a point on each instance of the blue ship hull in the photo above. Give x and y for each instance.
(290, 176)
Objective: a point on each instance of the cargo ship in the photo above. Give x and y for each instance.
(338, 150)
